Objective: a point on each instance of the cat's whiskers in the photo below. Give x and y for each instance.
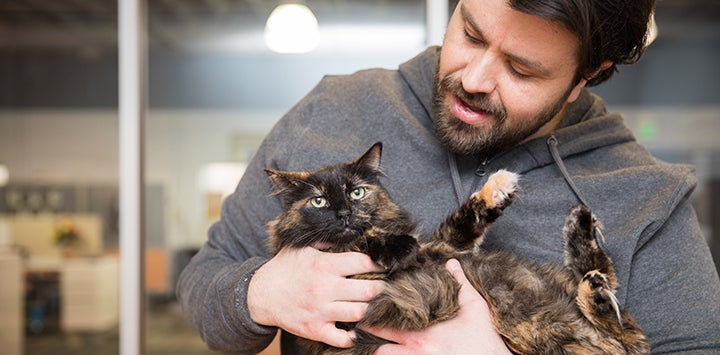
(313, 237)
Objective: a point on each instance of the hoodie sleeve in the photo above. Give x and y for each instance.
(674, 291)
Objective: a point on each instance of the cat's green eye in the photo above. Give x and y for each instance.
(318, 202)
(357, 193)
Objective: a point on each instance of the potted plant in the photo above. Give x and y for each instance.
(67, 237)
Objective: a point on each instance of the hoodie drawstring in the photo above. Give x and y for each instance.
(552, 146)
(460, 192)
(455, 174)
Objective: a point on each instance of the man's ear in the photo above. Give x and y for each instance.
(575, 93)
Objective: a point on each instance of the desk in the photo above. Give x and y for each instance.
(88, 290)
(89, 293)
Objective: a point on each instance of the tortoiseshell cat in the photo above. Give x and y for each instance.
(568, 309)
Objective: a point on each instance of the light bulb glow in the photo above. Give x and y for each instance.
(292, 28)
(220, 177)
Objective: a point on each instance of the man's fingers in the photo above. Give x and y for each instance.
(347, 311)
(355, 290)
(350, 263)
(336, 337)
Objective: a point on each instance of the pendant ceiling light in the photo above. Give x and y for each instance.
(292, 28)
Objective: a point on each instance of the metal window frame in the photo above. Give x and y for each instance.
(132, 74)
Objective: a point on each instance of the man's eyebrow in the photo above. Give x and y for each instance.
(470, 21)
(532, 65)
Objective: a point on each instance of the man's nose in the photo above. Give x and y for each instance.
(481, 73)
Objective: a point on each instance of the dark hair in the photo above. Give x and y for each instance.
(613, 30)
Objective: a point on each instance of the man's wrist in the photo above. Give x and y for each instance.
(256, 301)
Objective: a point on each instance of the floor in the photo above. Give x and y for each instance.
(167, 333)
(167, 330)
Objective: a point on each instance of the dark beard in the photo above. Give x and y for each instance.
(462, 138)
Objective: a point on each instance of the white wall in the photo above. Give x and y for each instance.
(81, 147)
(68, 146)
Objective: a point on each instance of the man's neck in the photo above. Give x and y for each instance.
(549, 127)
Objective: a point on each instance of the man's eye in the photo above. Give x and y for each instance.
(318, 202)
(472, 38)
(518, 73)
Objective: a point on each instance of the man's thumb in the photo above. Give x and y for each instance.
(453, 266)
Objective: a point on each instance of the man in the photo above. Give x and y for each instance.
(507, 90)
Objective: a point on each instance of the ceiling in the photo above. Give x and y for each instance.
(92, 24)
(40, 25)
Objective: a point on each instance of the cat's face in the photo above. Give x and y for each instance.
(331, 206)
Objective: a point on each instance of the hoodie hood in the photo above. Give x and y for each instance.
(586, 126)
(419, 74)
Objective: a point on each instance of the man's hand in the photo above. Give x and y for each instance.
(305, 291)
(470, 332)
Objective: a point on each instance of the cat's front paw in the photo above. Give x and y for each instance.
(499, 190)
(395, 253)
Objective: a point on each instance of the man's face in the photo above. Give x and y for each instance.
(504, 77)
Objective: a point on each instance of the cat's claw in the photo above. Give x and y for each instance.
(595, 288)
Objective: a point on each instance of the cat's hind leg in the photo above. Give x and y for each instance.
(583, 254)
(468, 224)
(597, 282)
(591, 265)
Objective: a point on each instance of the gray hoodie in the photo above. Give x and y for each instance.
(666, 274)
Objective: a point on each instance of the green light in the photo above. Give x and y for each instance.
(647, 129)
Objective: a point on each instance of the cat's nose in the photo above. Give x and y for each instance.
(344, 215)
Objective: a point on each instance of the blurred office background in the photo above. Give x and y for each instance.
(215, 89)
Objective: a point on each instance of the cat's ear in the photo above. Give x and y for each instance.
(371, 158)
(284, 180)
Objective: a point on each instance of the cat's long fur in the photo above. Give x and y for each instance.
(536, 308)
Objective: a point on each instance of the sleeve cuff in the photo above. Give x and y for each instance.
(234, 294)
